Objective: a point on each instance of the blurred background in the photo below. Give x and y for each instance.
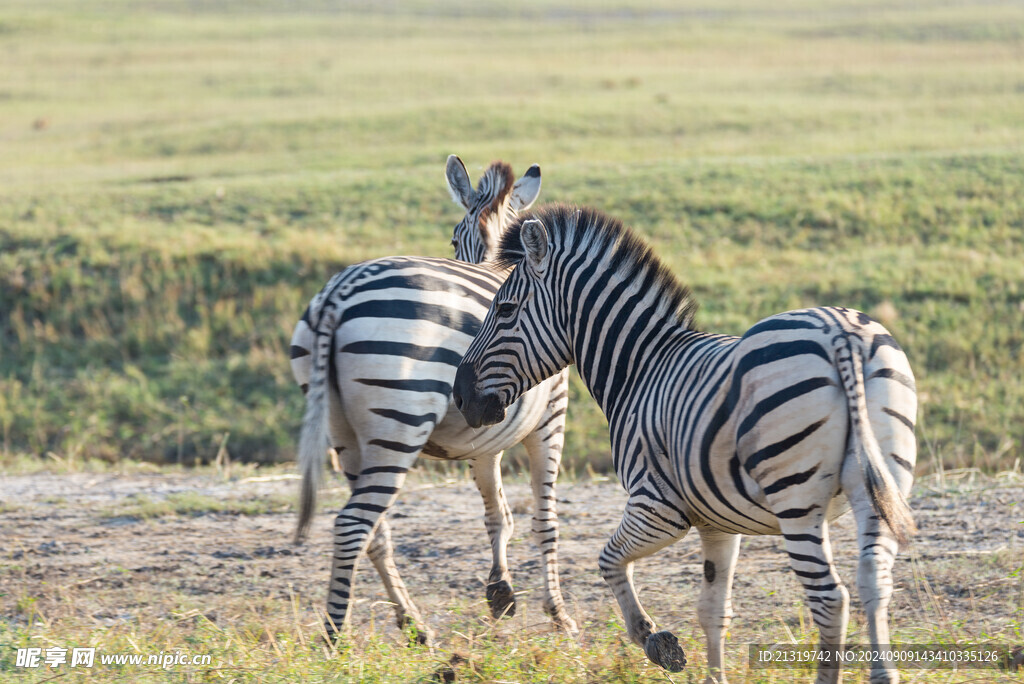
(178, 179)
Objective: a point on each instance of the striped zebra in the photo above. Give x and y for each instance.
(375, 353)
(775, 432)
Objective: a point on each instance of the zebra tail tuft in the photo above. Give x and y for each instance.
(311, 457)
(885, 495)
(313, 438)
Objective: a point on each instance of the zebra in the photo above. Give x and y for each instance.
(375, 352)
(775, 432)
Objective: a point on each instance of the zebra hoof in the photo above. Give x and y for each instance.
(662, 648)
(885, 677)
(331, 636)
(501, 599)
(567, 625)
(417, 633)
(420, 636)
(562, 621)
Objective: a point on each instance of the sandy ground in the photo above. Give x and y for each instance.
(67, 532)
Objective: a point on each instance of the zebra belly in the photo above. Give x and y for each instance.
(745, 515)
(740, 516)
(756, 520)
(454, 439)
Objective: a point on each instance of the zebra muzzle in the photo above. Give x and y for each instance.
(478, 409)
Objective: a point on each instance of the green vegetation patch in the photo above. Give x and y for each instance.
(192, 503)
(176, 186)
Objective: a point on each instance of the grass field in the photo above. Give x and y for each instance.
(177, 179)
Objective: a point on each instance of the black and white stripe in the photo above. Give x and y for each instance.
(774, 432)
(376, 352)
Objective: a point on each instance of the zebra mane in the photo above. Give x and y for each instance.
(498, 176)
(583, 228)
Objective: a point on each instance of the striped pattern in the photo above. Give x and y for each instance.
(775, 432)
(376, 353)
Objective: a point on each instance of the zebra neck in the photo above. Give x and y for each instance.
(617, 352)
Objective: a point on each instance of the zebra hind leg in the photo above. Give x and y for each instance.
(638, 537)
(878, 549)
(382, 556)
(810, 557)
(499, 523)
(874, 583)
(381, 553)
(380, 478)
(714, 608)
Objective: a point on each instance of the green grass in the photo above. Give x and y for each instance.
(281, 639)
(176, 185)
(193, 503)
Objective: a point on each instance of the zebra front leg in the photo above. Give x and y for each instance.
(499, 523)
(381, 553)
(639, 535)
(544, 447)
(373, 492)
(714, 608)
(810, 557)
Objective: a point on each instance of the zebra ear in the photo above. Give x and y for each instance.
(526, 190)
(534, 237)
(459, 184)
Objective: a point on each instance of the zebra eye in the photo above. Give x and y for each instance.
(455, 242)
(506, 309)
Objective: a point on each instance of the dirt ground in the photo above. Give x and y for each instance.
(60, 532)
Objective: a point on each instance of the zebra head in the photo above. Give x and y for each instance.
(519, 344)
(489, 208)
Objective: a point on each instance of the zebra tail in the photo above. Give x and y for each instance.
(313, 438)
(886, 497)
